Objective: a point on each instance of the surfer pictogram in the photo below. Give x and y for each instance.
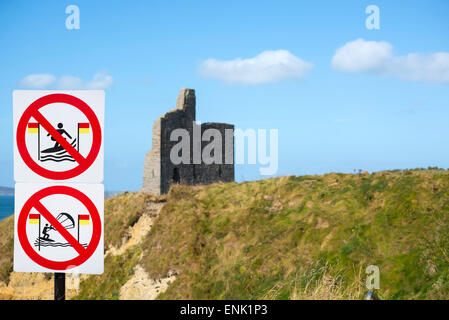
(66, 220)
(57, 153)
(57, 146)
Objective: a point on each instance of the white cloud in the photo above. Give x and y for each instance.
(101, 80)
(422, 67)
(362, 56)
(376, 57)
(38, 80)
(269, 66)
(70, 82)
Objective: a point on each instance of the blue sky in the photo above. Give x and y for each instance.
(374, 115)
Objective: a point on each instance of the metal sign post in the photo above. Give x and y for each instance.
(58, 169)
(59, 286)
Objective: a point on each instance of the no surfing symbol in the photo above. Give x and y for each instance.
(58, 136)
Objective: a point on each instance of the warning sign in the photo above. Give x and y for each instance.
(58, 136)
(59, 228)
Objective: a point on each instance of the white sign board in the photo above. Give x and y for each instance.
(58, 136)
(59, 228)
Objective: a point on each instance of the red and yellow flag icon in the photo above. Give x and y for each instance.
(84, 127)
(34, 218)
(33, 127)
(84, 219)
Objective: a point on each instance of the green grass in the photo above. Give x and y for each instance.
(308, 237)
(251, 240)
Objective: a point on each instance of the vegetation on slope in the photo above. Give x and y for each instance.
(118, 270)
(6, 248)
(306, 237)
(121, 213)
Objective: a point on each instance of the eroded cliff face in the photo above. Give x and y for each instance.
(34, 286)
(142, 287)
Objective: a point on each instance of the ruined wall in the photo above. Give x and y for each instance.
(173, 121)
(152, 166)
(209, 173)
(159, 171)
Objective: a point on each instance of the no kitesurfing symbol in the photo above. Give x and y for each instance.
(33, 111)
(35, 201)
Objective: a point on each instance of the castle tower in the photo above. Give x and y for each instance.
(160, 172)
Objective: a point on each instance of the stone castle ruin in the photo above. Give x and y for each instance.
(160, 172)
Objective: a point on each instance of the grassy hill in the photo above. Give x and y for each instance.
(308, 237)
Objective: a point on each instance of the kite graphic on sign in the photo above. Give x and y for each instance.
(56, 231)
(56, 152)
(66, 221)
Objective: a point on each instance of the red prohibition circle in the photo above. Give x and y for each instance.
(33, 109)
(59, 265)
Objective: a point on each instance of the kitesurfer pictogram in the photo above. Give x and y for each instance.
(67, 221)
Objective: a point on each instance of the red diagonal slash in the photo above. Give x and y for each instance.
(58, 137)
(55, 223)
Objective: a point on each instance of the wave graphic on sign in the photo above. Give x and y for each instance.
(58, 155)
(44, 243)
